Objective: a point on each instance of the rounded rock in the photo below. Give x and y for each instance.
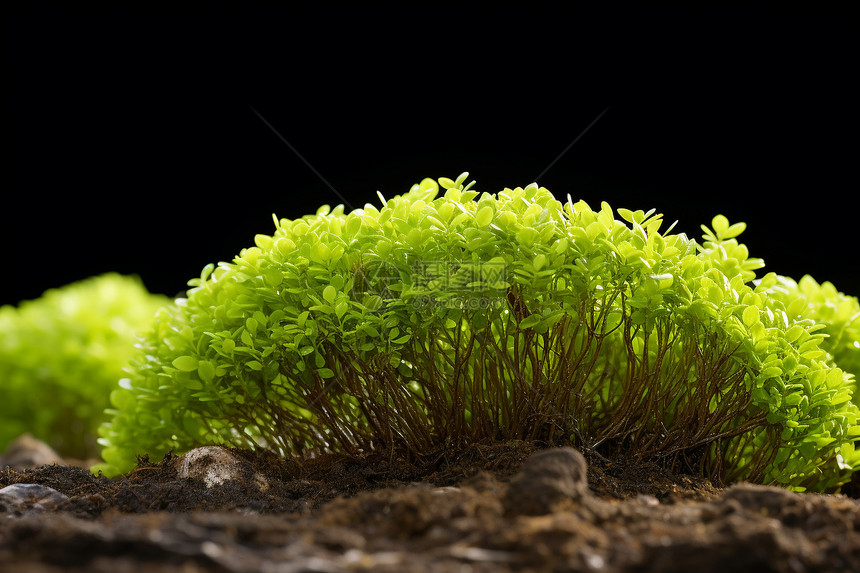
(214, 465)
(25, 452)
(29, 498)
(547, 477)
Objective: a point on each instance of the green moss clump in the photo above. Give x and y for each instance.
(448, 316)
(837, 312)
(62, 354)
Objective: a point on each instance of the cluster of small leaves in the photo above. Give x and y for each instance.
(62, 354)
(448, 316)
(838, 312)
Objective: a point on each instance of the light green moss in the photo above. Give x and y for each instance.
(838, 312)
(446, 316)
(62, 354)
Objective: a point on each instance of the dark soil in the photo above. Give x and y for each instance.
(494, 507)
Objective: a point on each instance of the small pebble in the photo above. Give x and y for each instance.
(29, 498)
(214, 465)
(445, 490)
(547, 477)
(25, 452)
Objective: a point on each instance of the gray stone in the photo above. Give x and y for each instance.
(214, 465)
(22, 498)
(547, 477)
(25, 452)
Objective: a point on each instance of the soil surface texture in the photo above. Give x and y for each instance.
(495, 507)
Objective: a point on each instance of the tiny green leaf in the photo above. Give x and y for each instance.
(751, 315)
(484, 216)
(185, 363)
(329, 293)
(206, 370)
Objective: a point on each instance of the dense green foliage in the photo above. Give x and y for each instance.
(62, 354)
(443, 318)
(837, 312)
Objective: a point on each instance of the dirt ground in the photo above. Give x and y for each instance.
(495, 507)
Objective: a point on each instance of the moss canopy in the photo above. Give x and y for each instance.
(838, 313)
(447, 316)
(62, 354)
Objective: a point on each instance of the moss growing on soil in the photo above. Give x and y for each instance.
(447, 316)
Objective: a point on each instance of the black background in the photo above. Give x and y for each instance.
(135, 146)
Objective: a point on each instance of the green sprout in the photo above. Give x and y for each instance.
(62, 354)
(447, 316)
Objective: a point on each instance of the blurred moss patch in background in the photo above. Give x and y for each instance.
(63, 353)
